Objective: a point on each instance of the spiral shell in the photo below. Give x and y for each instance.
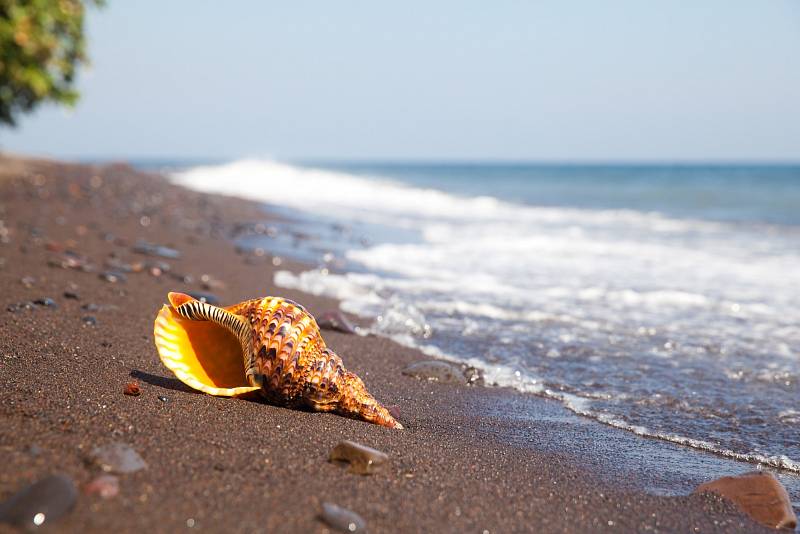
(269, 345)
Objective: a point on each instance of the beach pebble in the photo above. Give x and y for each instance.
(113, 276)
(158, 268)
(342, 519)
(71, 295)
(71, 261)
(46, 302)
(394, 410)
(205, 297)
(757, 493)
(336, 320)
(162, 398)
(183, 278)
(43, 502)
(436, 371)
(210, 283)
(115, 264)
(363, 460)
(132, 389)
(89, 320)
(106, 486)
(117, 458)
(151, 249)
(28, 281)
(27, 305)
(474, 376)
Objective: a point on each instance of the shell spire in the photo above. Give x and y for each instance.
(269, 345)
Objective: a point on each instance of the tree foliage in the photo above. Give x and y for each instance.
(41, 47)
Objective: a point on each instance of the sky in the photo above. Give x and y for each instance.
(551, 80)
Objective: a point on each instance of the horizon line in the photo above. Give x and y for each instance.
(445, 160)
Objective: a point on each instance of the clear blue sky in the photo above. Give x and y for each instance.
(546, 80)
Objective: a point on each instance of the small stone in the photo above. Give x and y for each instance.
(757, 493)
(42, 502)
(132, 389)
(474, 376)
(34, 450)
(113, 277)
(28, 281)
(162, 266)
(394, 410)
(71, 295)
(106, 486)
(89, 320)
(363, 460)
(27, 305)
(46, 302)
(342, 519)
(115, 264)
(70, 260)
(151, 249)
(336, 320)
(210, 283)
(436, 371)
(205, 297)
(162, 398)
(183, 278)
(117, 458)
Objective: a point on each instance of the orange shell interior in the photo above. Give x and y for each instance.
(202, 354)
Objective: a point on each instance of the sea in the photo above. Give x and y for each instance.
(660, 299)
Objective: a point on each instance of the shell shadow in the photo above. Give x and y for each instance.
(162, 381)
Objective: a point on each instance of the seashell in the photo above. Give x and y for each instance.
(270, 345)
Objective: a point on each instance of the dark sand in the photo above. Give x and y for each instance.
(471, 459)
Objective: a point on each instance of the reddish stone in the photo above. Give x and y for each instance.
(106, 486)
(759, 494)
(132, 389)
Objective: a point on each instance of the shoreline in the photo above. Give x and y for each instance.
(470, 459)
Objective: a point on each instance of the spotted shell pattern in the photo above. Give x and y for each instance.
(285, 357)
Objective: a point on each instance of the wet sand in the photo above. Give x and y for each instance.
(471, 459)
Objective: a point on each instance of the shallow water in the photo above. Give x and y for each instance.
(662, 300)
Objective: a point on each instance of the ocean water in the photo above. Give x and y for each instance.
(659, 299)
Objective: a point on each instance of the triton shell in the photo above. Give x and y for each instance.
(271, 345)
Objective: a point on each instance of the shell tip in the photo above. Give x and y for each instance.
(176, 299)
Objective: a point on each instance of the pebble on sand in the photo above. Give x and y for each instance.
(151, 249)
(106, 486)
(27, 305)
(117, 458)
(46, 302)
(336, 320)
(436, 371)
(363, 460)
(43, 502)
(757, 493)
(132, 389)
(342, 519)
(113, 277)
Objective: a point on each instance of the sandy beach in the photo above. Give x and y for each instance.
(470, 459)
